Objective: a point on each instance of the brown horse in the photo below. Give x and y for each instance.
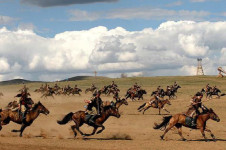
(178, 120)
(9, 115)
(48, 93)
(79, 119)
(160, 106)
(117, 104)
(92, 89)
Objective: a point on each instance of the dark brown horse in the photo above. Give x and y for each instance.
(79, 119)
(133, 94)
(9, 115)
(117, 104)
(179, 120)
(160, 106)
(92, 89)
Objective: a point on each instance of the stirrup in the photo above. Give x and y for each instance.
(193, 124)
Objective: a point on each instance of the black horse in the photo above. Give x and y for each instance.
(172, 92)
(139, 94)
(161, 93)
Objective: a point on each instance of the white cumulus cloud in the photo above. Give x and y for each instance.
(171, 49)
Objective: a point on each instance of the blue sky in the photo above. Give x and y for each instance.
(55, 39)
(50, 20)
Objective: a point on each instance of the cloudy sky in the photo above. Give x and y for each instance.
(56, 39)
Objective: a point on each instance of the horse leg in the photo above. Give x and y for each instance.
(146, 109)
(212, 135)
(101, 129)
(94, 131)
(165, 110)
(21, 129)
(203, 134)
(179, 127)
(73, 129)
(159, 111)
(171, 124)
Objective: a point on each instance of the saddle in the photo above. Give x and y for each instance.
(188, 121)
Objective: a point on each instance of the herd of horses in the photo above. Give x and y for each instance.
(112, 109)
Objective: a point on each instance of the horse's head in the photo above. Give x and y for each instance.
(213, 116)
(41, 108)
(217, 90)
(144, 92)
(203, 90)
(153, 93)
(122, 101)
(113, 111)
(168, 102)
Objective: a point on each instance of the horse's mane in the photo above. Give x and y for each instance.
(36, 106)
(107, 107)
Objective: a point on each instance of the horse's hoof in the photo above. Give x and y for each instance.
(184, 139)
(161, 137)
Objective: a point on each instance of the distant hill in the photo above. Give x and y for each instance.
(82, 78)
(16, 81)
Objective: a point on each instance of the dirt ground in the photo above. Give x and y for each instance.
(131, 131)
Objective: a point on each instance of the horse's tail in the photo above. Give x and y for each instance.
(66, 119)
(141, 106)
(164, 123)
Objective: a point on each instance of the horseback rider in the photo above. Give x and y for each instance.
(214, 88)
(76, 87)
(113, 85)
(24, 104)
(175, 84)
(136, 88)
(158, 88)
(56, 86)
(196, 103)
(116, 96)
(93, 86)
(208, 87)
(168, 88)
(42, 87)
(95, 101)
(155, 99)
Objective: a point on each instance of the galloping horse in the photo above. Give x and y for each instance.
(90, 89)
(160, 106)
(117, 104)
(133, 94)
(75, 91)
(161, 93)
(111, 90)
(79, 119)
(48, 93)
(8, 115)
(212, 92)
(179, 120)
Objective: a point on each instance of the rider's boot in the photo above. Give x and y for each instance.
(194, 121)
(23, 116)
(92, 119)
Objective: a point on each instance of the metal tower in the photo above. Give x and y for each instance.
(199, 67)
